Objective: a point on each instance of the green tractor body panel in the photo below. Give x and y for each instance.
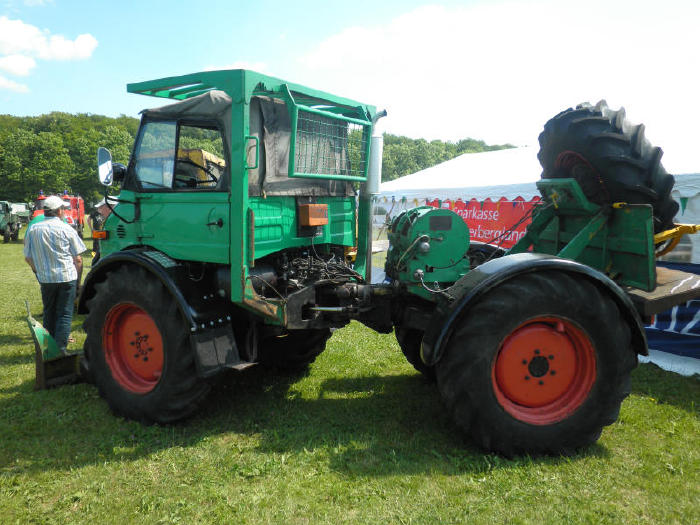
(277, 227)
(617, 241)
(172, 223)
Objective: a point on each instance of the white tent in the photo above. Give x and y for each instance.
(506, 173)
(512, 173)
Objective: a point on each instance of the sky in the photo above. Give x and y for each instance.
(493, 70)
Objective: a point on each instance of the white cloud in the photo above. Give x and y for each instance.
(498, 71)
(12, 86)
(60, 48)
(37, 3)
(21, 43)
(18, 65)
(16, 37)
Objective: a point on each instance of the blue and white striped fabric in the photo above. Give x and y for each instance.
(51, 245)
(677, 331)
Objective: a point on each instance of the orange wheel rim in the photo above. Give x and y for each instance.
(133, 348)
(544, 370)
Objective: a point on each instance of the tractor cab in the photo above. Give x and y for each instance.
(245, 175)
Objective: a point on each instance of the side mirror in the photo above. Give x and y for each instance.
(105, 172)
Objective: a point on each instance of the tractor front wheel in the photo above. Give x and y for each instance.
(137, 349)
(530, 368)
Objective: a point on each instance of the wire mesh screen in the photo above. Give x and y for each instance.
(329, 146)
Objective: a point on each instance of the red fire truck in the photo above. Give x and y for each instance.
(75, 215)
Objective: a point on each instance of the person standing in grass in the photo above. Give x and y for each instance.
(52, 249)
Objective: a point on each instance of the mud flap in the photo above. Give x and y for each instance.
(215, 350)
(53, 367)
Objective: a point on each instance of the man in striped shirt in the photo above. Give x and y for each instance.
(52, 249)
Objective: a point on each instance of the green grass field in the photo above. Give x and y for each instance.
(360, 438)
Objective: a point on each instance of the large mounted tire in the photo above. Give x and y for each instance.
(610, 159)
(138, 350)
(409, 340)
(530, 367)
(293, 351)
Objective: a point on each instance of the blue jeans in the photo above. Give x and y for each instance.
(58, 301)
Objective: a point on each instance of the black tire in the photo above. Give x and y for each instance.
(173, 390)
(480, 252)
(609, 157)
(6, 236)
(484, 344)
(293, 351)
(409, 340)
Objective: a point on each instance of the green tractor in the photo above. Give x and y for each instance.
(10, 222)
(256, 257)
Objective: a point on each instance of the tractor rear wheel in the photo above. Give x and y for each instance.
(610, 159)
(138, 350)
(409, 340)
(293, 351)
(529, 369)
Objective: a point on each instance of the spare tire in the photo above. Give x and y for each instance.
(610, 159)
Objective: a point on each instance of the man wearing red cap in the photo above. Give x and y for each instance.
(52, 249)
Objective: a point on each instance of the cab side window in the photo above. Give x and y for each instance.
(200, 163)
(179, 157)
(155, 155)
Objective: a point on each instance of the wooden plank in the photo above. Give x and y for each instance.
(672, 287)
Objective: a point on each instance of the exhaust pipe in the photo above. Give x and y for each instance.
(374, 178)
(374, 175)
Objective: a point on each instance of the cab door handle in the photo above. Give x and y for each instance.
(219, 223)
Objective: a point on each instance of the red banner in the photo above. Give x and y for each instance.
(492, 222)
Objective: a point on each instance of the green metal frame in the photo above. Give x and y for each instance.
(294, 109)
(617, 240)
(241, 85)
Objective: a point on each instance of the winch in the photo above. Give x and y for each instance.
(429, 245)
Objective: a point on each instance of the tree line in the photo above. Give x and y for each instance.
(403, 155)
(57, 152)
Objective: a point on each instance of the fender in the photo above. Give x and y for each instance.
(497, 271)
(154, 262)
(207, 312)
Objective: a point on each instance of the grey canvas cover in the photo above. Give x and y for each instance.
(270, 123)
